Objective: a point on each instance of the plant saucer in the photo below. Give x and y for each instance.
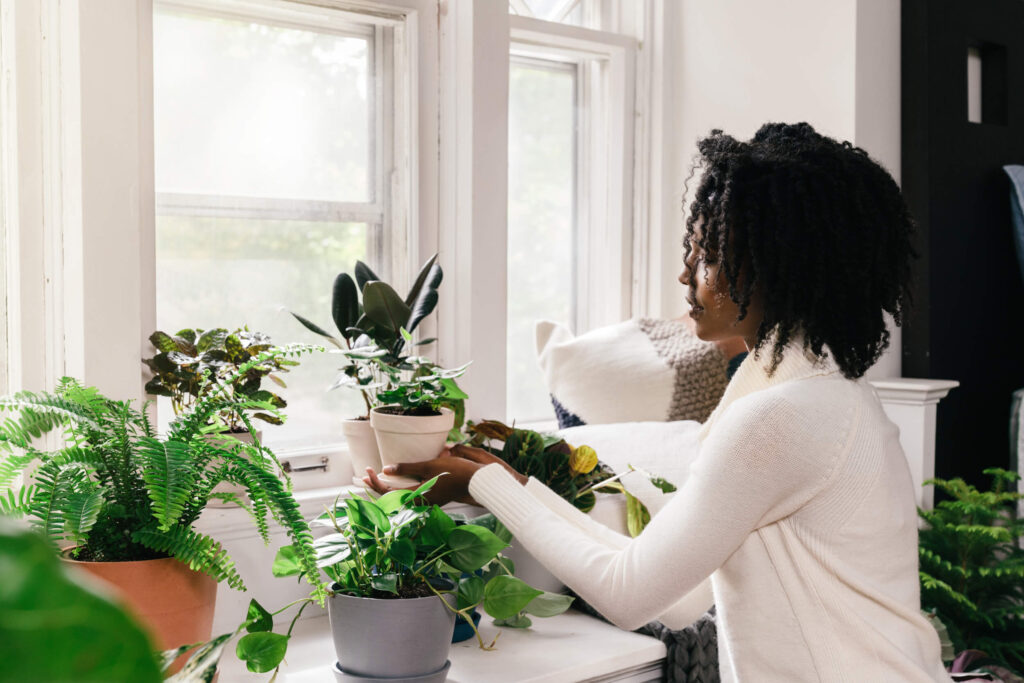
(397, 482)
(341, 676)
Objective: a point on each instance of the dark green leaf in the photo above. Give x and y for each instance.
(437, 528)
(473, 547)
(506, 596)
(402, 551)
(258, 618)
(384, 307)
(364, 275)
(424, 306)
(344, 303)
(470, 591)
(316, 329)
(211, 339)
(263, 651)
(519, 620)
(422, 281)
(162, 342)
(386, 582)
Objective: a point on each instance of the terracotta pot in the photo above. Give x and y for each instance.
(410, 438)
(362, 447)
(174, 603)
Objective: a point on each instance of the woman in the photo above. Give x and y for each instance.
(800, 505)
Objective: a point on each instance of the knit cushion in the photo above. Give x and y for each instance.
(634, 371)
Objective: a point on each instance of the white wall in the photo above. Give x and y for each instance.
(742, 63)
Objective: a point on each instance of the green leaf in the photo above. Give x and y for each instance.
(637, 516)
(392, 501)
(470, 591)
(211, 339)
(263, 651)
(54, 628)
(426, 271)
(472, 547)
(425, 486)
(384, 307)
(506, 596)
(385, 582)
(364, 275)
(402, 551)
(436, 529)
(344, 303)
(163, 342)
(315, 329)
(452, 391)
(367, 516)
(286, 563)
(517, 621)
(81, 512)
(548, 604)
(258, 619)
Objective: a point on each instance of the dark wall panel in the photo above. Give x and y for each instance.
(968, 321)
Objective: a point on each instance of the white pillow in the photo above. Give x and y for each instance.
(634, 371)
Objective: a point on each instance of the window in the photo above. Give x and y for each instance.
(276, 134)
(570, 229)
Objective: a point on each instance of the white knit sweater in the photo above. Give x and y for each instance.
(799, 507)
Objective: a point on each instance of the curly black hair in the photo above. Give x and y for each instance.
(813, 226)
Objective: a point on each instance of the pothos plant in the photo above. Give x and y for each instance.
(375, 324)
(399, 546)
(573, 472)
(117, 491)
(195, 362)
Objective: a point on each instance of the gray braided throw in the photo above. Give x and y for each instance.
(692, 655)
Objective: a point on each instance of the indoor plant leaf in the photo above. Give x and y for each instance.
(316, 329)
(383, 306)
(427, 277)
(472, 547)
(506, 596)
(286, 563)
(364, 275)
(344, 303)
(548, 604)
(258, 618)
(262, 651)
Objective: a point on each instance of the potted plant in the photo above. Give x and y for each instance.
(418, 414)
(399, 572)
(573, 472)
(122, 501)
(374, 324)
(972, 568)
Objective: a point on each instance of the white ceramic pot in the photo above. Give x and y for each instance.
(362, 447)
(410, 438)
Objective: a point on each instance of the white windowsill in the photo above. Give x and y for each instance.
(569, 647)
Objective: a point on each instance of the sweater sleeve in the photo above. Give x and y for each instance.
(762, 461)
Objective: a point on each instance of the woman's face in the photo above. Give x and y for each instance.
(715, 314)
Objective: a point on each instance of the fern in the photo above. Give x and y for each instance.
(198, 551)
(168, 474)
(972, 566)
(82, 511)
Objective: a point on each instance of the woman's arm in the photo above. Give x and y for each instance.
(761, 462)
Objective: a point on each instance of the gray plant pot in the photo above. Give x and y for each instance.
(399, 638)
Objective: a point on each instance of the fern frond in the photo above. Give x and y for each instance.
(54, 484)
(198, 551)
(13, 465)
(17, 503)
(167, 471)
(82, 510)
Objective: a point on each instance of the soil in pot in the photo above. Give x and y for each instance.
(421, 411)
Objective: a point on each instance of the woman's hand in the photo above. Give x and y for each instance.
(456, 466)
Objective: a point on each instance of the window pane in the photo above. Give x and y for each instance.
(226, 272)
(542, 191)
(251, 109)
(563, 11)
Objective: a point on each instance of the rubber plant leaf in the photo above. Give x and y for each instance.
(364, 275)
(425, 278)
(344, 303)
(385, 308)
(315, 329)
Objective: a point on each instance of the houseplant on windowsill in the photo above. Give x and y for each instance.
(194, 362)
(123, 501)
(400, 570)
(370, 317)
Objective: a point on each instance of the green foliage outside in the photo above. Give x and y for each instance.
(117, 491)
(972, 566)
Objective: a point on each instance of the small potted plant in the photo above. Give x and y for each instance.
(418, 414)
(370, 317)
(122, 501)
(400, 570)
